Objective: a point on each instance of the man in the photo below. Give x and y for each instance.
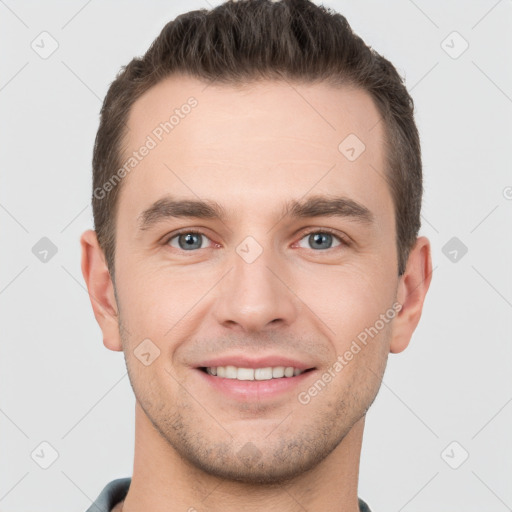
(257, 192)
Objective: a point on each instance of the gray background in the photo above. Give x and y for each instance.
(58, 383)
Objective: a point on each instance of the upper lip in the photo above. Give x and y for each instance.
(244, 361)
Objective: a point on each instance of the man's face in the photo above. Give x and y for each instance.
(256, 288)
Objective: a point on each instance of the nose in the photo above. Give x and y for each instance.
(255, 296)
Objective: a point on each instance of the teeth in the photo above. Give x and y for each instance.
(244, 374)
(232, 372)
(288, 371)
(262, 373)
(277, 372)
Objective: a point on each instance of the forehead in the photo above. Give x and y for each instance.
(250, 144)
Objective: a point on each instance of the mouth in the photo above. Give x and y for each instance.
(254, 374)
(254, 382)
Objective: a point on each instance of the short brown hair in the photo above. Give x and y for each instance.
(240, 42)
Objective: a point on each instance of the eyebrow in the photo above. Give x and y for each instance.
(314, 206)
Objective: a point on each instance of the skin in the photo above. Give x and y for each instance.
(251, 149)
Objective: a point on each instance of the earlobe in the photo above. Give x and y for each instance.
(101, 289)
(412, 289)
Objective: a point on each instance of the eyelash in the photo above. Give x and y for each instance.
(344, 241)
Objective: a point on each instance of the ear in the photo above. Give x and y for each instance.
(101, 289)
(412, 288)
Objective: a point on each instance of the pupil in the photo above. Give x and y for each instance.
(190, 240)
(319, 237)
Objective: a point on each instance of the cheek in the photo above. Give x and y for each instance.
(153, 301)
(347, 299)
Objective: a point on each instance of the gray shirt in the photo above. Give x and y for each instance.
(116, 491)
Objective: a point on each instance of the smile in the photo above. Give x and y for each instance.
(266, 373)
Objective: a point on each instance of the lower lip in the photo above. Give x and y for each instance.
(254, 389)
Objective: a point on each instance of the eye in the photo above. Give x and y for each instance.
(187, 240)
(322, 239)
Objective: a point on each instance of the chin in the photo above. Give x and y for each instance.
(265, 473)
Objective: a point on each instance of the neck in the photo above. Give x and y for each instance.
(163, 481)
